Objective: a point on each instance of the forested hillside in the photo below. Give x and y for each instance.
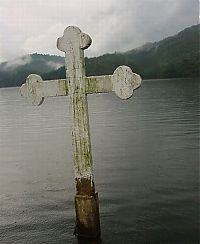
(14, 72)
(176, 56)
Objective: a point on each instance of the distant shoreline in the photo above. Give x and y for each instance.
(144, 80)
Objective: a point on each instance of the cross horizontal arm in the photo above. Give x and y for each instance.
(123, 82)
(35, 89)
(53, 88)
(98, 84)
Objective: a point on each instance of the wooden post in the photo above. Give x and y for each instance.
(123, 82)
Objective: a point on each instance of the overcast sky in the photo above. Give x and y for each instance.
(28, 26)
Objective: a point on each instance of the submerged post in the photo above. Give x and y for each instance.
(76, 85)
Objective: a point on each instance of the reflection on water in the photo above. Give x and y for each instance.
(145, 153)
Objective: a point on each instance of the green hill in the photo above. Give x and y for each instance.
(14, 72)
(176, 56)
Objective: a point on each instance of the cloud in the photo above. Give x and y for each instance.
(136, 22)
(29, 26)
(54, 65)
(44, 42)
(13, 64)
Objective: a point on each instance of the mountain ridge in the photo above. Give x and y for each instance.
(173, 57)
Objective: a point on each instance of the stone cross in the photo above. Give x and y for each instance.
(77, 86)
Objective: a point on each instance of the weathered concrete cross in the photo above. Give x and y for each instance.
(77, 86)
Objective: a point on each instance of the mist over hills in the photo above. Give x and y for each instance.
(173, 57)
(14, 72)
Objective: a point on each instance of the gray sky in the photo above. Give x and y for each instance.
(28, 26)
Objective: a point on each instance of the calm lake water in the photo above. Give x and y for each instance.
(145, 153)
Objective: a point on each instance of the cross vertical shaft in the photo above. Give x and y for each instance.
(73, 44)
(75, 72)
